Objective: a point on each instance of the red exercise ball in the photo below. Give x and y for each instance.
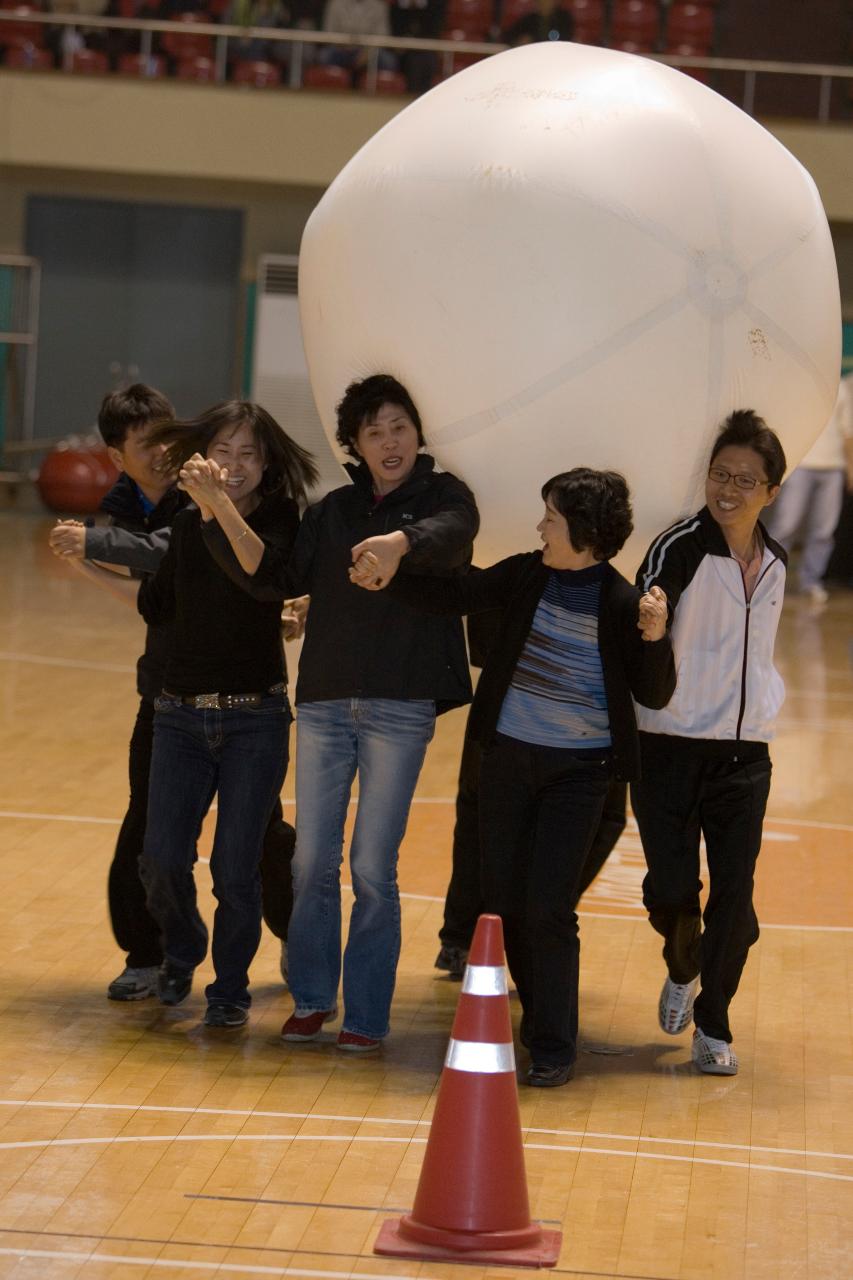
(74, 480)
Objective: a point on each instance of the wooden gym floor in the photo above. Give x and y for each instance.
(136, 1144)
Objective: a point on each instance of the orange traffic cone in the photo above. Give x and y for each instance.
(471, 1204)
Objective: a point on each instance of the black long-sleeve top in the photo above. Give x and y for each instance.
(139, 541)
(363, 643)
(223, 641)
(632, 667)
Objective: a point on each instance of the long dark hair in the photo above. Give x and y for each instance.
(287, 465)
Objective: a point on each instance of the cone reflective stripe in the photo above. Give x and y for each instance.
(471, 1055)
(471, 1203)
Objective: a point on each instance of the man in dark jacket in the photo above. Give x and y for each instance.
(141, 507)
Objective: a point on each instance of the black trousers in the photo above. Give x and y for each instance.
(539, 810)
(691, 788)
(135, 929)
(464, 901)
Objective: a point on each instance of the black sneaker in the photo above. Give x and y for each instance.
(545, 1076)
(225, 1015)
(173, 983)
(134, 984)
(452, 960)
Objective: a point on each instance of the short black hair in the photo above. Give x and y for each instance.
(286, 464)
(363, 400)
(596, 506)
(133, 407)
(745, 428)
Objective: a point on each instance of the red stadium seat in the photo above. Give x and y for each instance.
(471, 17)
(515, 9)
(329, 77)
(633, 46)
(635, 20)
(589, 20)
(386, 82)
(203, 69)
(89, 62)
(136, 64)
(187, 44)
(28, 58)
(690, 51)
(257, 73)
(691, 24)
(22, 33)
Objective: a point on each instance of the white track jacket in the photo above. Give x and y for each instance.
(728, 687)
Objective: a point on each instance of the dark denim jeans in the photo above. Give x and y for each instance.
(241, 754)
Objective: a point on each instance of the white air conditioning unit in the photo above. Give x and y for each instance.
(279, 373)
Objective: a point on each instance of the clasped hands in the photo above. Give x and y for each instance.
(377, 559)
(653, 614)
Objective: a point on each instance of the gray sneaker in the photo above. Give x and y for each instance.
(133, 984)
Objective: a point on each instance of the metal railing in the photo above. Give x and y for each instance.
(824, 75)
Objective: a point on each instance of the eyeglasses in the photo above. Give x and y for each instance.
(720, 476)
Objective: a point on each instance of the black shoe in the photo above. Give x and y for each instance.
(173, 983)
(225, 1015)
(544, 1076)
(452, 960)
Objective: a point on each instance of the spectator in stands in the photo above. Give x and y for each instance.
(552, 22)
(64, 41)
(357, 18)
(810, 501)
(258, 13)
(418, 20)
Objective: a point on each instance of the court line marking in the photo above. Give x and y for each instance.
(80, 664)
(245, 1113)
(218, 1267)
(241, 1268)
(141, 1139)
(427, 897)
(631, 830)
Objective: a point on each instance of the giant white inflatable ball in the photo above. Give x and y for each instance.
(575, 257)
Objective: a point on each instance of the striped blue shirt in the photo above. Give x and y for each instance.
(556, 698)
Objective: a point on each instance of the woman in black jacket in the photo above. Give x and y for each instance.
(372, 675)
(554, 716)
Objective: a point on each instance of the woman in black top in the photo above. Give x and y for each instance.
(222, 720)
(554, 716)
(372, 675)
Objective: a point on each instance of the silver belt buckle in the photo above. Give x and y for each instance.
(207, 702)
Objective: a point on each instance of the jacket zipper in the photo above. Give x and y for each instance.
(748, 604)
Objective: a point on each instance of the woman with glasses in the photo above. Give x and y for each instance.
(705, 760)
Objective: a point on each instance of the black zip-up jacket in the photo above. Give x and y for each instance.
(106, 544)
(369, 644)
(630, 664)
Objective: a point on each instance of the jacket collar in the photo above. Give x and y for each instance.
(360, 475)
(123, 502)
(716, 544)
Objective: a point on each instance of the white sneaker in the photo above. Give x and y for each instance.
(282, 964)
(714, 1057)
(817, 594)
(675, 1007)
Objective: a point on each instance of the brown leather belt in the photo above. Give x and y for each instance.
(223, 701)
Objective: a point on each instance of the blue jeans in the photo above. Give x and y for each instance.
(242, 754)
(384, 741)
